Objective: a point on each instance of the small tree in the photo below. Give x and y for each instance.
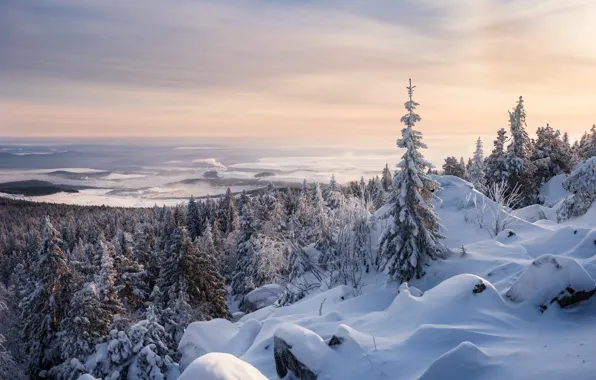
(505, 201)
(477, 168)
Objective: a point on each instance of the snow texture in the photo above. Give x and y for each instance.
(220, 366)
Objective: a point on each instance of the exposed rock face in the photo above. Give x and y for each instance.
(570, 297)
(285, 362)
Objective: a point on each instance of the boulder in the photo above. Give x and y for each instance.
(261, 297)
(299, 351)
(286, 361)
(552, 279)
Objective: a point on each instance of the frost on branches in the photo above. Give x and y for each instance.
(413, 238)
(581, 183)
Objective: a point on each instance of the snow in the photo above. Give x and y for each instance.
(464, 361)
(86, 377)
(220, 366)
(552, 191)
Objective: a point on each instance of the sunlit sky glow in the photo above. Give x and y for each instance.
(292, 70)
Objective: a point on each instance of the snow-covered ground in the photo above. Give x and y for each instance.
(490, 310)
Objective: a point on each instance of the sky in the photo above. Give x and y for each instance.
(293, 70)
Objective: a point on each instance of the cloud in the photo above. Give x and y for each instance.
(290, 68)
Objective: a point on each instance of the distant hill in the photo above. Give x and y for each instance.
(36, 188)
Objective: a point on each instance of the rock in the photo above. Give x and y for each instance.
(261, 297)
(570, 297)
(552, 279)
(286, 361)
(479, 288)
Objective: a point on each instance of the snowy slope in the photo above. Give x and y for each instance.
(486, 311)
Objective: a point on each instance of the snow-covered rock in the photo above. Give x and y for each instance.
(552, 278)
(261, 297)
(300, 351)
(220, 366)
(217, 335)
(86, 377)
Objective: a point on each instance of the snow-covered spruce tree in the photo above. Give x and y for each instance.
(377, 193)
(145, 252)
(412, 239)
(105, 279)
(477, 171)
(519, 153)
(453, 166)
(151, 347)
(497, 170)
(581, 184)
(464, 169)
(552, 156)
(587, 145)
(246, 250)
(333, 195)
(44, 308)
(387, 178)
(321, 228)
(9, 368)
(86, 325)
(191, 285)
(228, 213)
(193, 220)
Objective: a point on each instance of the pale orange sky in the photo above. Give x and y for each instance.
(293, 70)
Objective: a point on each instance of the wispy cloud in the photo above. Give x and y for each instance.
(291, 68)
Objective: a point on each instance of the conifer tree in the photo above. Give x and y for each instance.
(477, 169)
(191, 285)
(44, 309)
(387, 178)
(497, 171)
(519, 151)
(454, 167)
(193, 221)
(412, 239)
(587, 145)
(86, 325)
(551, 156)
(246, 250)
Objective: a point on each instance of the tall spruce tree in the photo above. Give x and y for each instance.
(191, 285)
(519, 164)
(413, 238)
(44, 309)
